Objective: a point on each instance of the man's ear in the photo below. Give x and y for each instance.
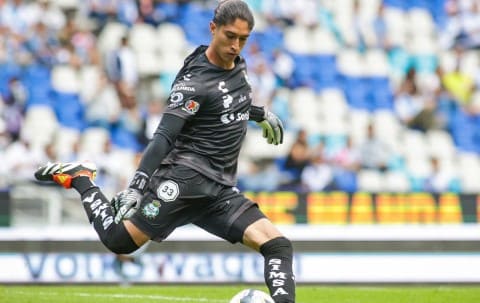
(213, 27)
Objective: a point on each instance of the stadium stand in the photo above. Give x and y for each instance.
(338, 68)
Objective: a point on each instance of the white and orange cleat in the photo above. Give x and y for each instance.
(64, 173)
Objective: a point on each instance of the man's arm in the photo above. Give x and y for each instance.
(125, 202)
(161, 144)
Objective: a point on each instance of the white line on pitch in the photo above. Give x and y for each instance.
(125, 296)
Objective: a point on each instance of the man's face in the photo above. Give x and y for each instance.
(228, 40)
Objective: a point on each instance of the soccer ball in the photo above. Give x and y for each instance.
(251, 296)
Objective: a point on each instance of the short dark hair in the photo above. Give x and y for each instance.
(228, 11)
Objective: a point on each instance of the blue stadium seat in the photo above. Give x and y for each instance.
(195, 19)
(400, 4)
(125, 139)
(304, 70)
(271, 39)
(168, 11)
(345, 180)
(69, 109)
(381, 94)
(37, 79)
(8, 71)
(325, 73)
(357, 92)
(424, 4)
(465, 131)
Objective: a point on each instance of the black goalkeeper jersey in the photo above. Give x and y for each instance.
(215, 104)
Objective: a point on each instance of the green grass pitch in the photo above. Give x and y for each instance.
(221, 294)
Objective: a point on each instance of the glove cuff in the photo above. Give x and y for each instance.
(139, 181)
(257, 113)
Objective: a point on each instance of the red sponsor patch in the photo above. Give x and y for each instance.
(191, 106)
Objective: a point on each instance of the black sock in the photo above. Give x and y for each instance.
(278, 271)
(100, 213)
(82, 184)
(98, 208)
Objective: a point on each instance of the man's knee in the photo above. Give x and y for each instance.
(119, 241)
(259, 233)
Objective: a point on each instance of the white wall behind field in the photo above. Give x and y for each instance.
(239, 268)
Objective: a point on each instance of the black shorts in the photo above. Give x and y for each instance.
(179, 195)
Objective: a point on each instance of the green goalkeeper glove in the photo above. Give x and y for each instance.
(272, 128)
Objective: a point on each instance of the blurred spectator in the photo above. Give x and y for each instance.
(48, 13)
(263, 83)
(15, 17)
(407, 101)
(43, 44)
(298, 157)
(127, 129)
(283, 67)
(428, 118)
(259, 175)
(440, 179)
(104, 107)
(49, 154)
(346, 163)
(21, 160)
(305, 12)
(66, 55)
(462, 28)
(358, 41)
(122, 70)
(279, 11)
(379, 27)
(13, 108)
(151, 120)
(127, 12)
(5, 139)
(374, 153)
(167, 10)
(459, 84)
(347, 158)
(318, 174)
(147, 12)
(414, 110)
(41, 32)
(261, 77)
(84, 42)
(101, 11)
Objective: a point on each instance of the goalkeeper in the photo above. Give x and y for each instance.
(187, 173)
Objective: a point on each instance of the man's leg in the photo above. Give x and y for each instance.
(277, 250)
(121, 238)
(235, 218)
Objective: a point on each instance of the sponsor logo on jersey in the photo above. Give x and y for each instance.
(191, 107)
(231, 117)
(187, 77)
(222, 88)
(176, 97)
(227, 100)
(183, 87)
(242, 98)
(152, 209)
